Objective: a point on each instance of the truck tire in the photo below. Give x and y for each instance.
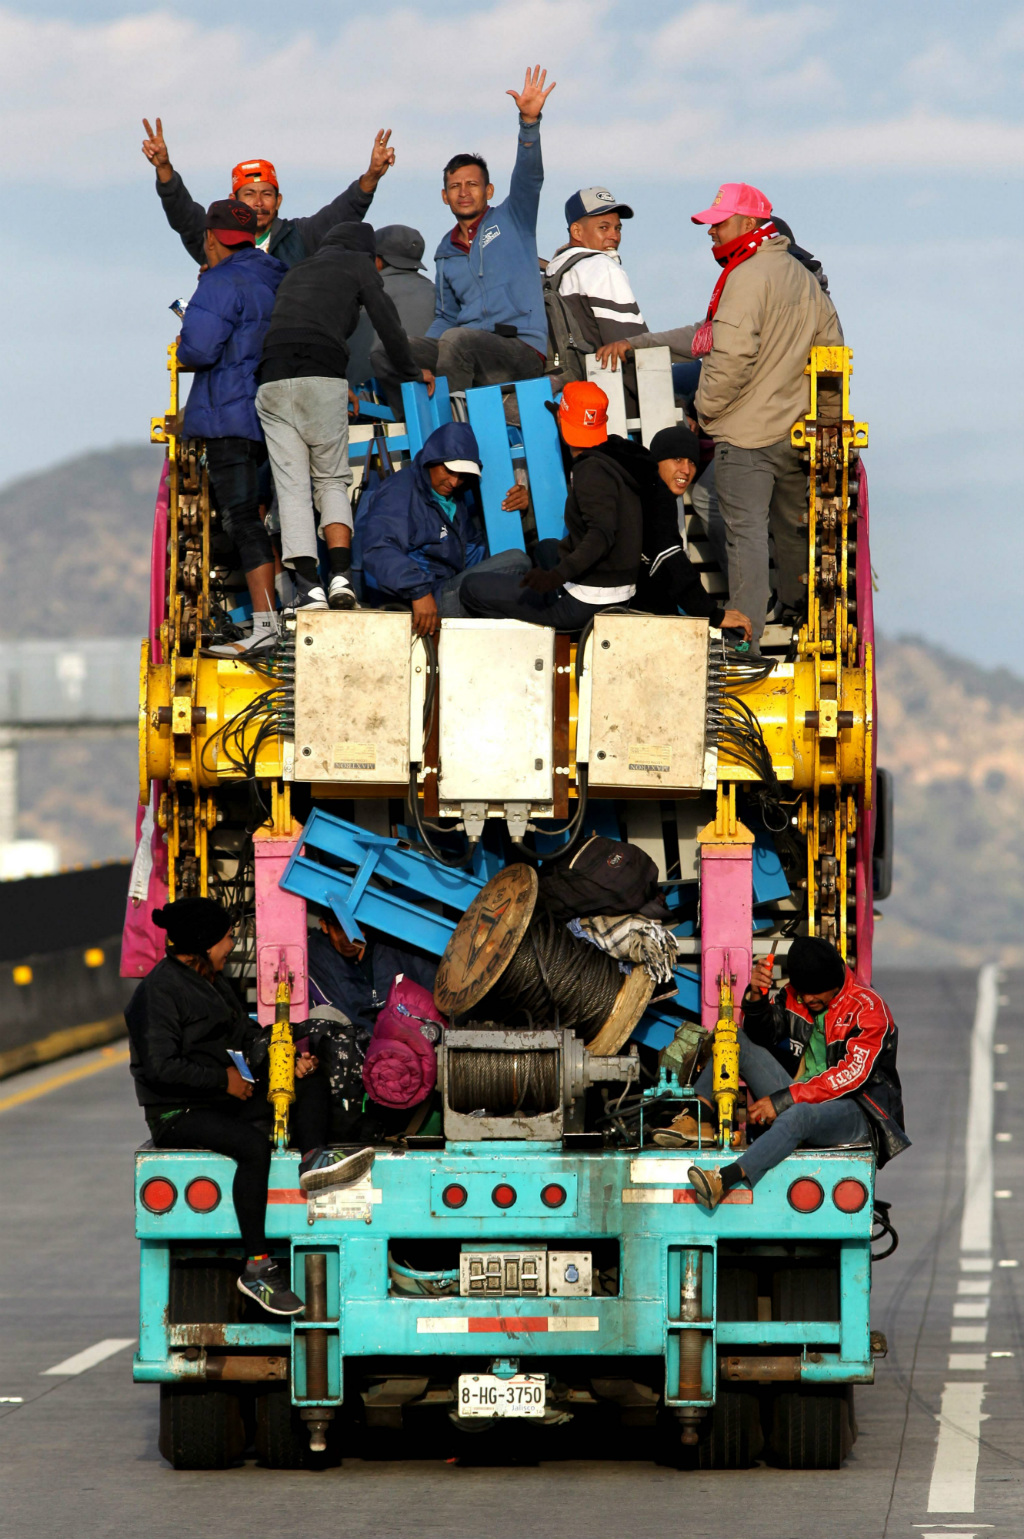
(282, 1437)
(812, 1428)
(805, 1293)
(201, 1426)
(737, 1293)
(730, 1435)
(204, 1292)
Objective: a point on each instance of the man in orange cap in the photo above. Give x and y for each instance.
(255, 182)
(597, 563)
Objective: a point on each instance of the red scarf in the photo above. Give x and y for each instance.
(728, 256)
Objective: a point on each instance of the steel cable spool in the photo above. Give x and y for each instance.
(505, 963)
(504, 1083)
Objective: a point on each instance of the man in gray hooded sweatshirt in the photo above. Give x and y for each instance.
(302, 401)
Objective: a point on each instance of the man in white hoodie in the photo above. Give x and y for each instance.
(589, 274)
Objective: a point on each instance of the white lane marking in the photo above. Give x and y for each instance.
(976, 1227)
(976, 1263)
(1004, 1138)
(976, 1311)
(967, 1362)
(974, 1285)
(12, 1399)
(966, 1333)
(91, 1356)
(1007, 1262)
(1001, 1354)
(1004, 1194)
(956, 1455)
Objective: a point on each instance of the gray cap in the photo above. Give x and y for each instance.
(400, 246)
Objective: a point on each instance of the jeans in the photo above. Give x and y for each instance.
(449, 600)
(704, 501)
(466, 358)
(497, 596)
(822, 1124)
(762, 490)
(306, 423)
(234, 469)
(240, 1129)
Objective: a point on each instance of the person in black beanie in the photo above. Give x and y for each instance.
(182, 1020)
(840, 1040)
(668, 581)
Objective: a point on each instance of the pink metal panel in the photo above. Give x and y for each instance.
(280, 923)
(866, 821)
(726, 921)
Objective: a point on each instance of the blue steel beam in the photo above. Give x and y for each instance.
(487, 419)
(543, 457)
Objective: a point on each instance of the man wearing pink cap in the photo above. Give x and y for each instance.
(766, 313)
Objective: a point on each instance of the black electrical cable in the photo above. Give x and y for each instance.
(555, 976)
(457, 864)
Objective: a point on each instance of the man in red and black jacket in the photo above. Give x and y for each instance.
(840, 1040)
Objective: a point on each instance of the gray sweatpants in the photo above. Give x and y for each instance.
(306, 427)
(762, 491)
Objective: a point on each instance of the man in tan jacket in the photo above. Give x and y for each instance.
(766, 313)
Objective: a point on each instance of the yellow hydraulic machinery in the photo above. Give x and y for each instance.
(726, 1061)
(281, 1086)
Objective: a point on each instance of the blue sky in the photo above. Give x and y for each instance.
(891, 138)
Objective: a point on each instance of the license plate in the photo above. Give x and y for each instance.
(484, 1394)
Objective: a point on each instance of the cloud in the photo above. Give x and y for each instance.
(724, 88)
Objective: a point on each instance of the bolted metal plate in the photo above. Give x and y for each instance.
(485, 939)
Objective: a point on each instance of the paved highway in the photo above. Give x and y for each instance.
(941, 1446)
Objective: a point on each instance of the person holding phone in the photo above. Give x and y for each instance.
(183, 1021)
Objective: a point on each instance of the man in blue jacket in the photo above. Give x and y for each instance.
(419, 533)
(221, 340)
(490, 325)
(255, 182)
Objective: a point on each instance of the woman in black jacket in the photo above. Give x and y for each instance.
(668, 581)
(182, 1020)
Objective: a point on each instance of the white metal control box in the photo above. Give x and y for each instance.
(648, 692)
(352, 687)
(496, 685)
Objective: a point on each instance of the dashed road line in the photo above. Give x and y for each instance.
(956, 1456)
(91, 1356)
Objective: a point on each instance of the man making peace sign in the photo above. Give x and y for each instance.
(255, 182)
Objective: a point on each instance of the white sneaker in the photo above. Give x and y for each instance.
(259, 642)
(310, 598)
(340, 593)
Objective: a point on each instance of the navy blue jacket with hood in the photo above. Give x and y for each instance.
(404, 541)
(222, 340)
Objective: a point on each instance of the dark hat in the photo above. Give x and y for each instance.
(676, 443)
(593, 200)
(232, 221)
(814, 965)
(193, 925)
(400, 246)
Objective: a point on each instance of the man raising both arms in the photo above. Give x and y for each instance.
(490, 324)
(255, 182)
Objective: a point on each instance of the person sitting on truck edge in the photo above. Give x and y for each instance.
(398, 260)
(302, 402)
(419, 534)
(255, 182)
(668, 581)
(841, 1039)
(588, 275)
(182, 1020)
(766, 313)
(221, 337)
(597, 563)
(490, 324)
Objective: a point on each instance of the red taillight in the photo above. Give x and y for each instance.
(805, 1195)
(202, 1194)
(503, 1195)
(454, 1196)
(158, 1195)
(850, 1196)
(552, 1196)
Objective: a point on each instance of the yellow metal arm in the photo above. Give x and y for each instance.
(726, 1061)
(281, 1089)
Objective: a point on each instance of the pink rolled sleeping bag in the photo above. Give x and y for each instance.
(400, 1067)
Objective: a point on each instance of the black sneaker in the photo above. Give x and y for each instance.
(264, 1282)
(322, 1169)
